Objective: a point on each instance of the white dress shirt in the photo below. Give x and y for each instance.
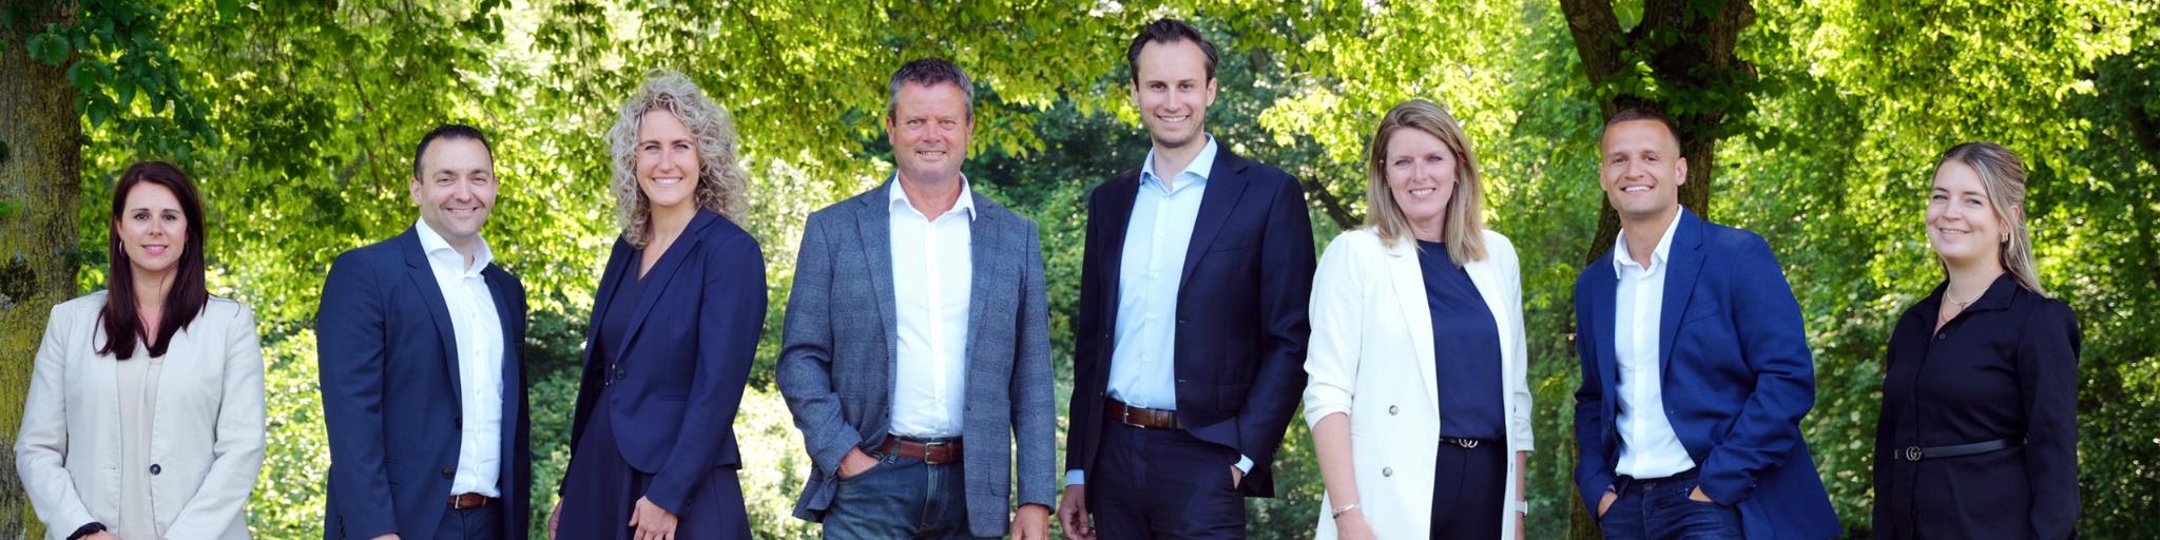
(1648, 446)
(933, 279)
(478, 330)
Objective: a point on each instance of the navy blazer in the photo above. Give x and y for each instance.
(389, 369)
(1241, 326)
(1737, 373)
(2004, 369)
(687, 354)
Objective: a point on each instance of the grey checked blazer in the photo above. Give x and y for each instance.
(837, 359)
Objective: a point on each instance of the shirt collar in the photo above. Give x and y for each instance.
(1621, 260)
(433, 244)
(1195, 173)
(895, 197)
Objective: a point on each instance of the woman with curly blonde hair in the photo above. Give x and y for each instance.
(674, 330)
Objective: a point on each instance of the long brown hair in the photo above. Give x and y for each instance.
(123, 325)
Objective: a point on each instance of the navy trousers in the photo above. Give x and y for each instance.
(1163, 484)
(1660, 509)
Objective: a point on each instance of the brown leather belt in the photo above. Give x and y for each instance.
(934, 452)
(463, 501)
(1143, 417)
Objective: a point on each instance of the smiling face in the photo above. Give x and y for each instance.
(1421, 174)
(1172, 89)
(455, 188)
(153, 230)
(1641, 171)
(667, 161)
(930, 128)
(1962, 224)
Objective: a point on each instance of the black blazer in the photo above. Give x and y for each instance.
(2006, 368)
(1241, 325)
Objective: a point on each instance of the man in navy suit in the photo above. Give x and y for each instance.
(419, 340)
(1695, 368)
(1190, 342)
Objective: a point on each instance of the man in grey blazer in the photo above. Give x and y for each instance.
(917, 348)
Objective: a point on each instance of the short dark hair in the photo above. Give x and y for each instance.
(189, 293)
(1635, 114)
(931, 71)
(449, 131)
(1166, 31)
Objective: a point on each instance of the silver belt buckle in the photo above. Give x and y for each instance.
(1912, 453)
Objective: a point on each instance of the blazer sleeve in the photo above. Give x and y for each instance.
(1520, 432)
(349, 332)
(804, 370)
(2047, 363)
(1034, 387)
(1885, 427)
(1773, 343)
(1593, 468)
(1089, 354)
(731, 311)
(237, 453)
(1331, 362)
(1286, 277)
(41, 446)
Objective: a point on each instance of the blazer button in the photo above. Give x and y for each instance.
(621, 373)
(155, 469)
(459, 422)
(1387, 471)
(1391, 410)
(448, 472)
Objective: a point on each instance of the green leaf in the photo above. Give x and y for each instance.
(98, 109)
(48, 48)
(227, 9)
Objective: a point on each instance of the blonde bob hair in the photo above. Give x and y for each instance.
(2002, 174)
(721, 179)
(1464, 225)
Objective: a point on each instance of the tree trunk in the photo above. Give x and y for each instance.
(40, 180)
(1698, 83)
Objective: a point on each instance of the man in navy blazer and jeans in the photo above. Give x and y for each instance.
(1191, 335)
(419, 339)
(916, 356)
(1695, 368)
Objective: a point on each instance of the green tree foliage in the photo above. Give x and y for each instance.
(298, 120)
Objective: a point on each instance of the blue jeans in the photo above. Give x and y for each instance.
(1659, 508)
(900, 498)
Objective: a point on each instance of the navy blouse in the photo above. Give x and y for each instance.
(1466, 347)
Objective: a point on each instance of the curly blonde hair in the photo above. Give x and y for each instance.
(721, 179)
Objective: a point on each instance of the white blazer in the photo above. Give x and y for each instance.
(207, 439)
(1371, 330)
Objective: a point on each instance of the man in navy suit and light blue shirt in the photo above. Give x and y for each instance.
(419, 339)
(1192, 327)
(1696, 369)
(916, 350)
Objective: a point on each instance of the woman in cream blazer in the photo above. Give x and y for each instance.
(176, 456)
(1374, 393)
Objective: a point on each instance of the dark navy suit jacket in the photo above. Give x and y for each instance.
(1241, 326)
(1737, 373)
(681, 369)
(390, 393)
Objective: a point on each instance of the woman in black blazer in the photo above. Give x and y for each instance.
(1978, 434)
(674, 330)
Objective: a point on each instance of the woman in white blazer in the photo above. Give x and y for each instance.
(145, 413)
(1418, 401)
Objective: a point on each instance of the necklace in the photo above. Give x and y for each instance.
(1962, 303)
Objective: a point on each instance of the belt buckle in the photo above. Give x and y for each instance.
(1466, 443)
(1912, 453)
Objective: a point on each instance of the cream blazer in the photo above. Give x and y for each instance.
(206, 440)
(1371, 357)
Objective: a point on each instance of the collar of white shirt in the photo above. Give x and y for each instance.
(897, 198)
(1195, 173)
(1621, 260)
(436, 247)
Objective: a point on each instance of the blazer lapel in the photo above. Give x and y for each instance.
(1225, 183)
(656, 280)
(1121, 193)
(423, 277)
(1602, 285)
(873, 221)
(986, 242)
(618, 263)
(1683, 265)
(1407, 281)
